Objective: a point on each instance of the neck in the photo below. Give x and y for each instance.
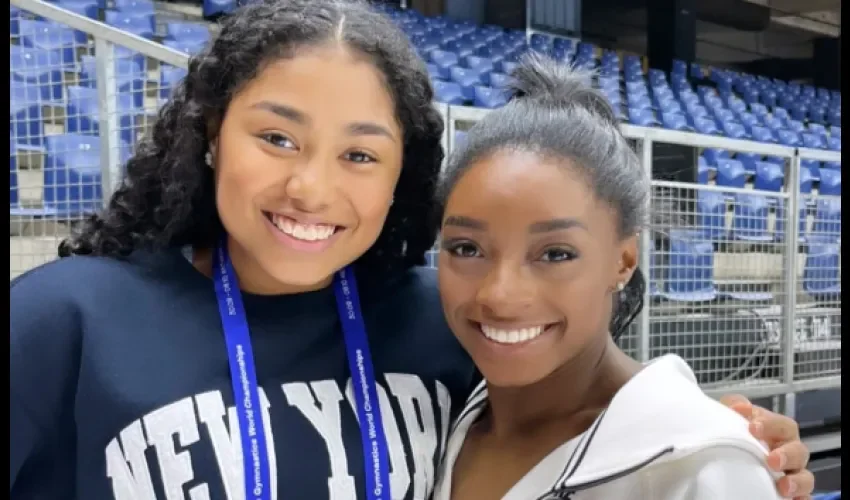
(251, 276)
(573, 395)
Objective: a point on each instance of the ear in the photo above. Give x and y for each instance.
(628, 260)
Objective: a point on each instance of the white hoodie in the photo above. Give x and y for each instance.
(661, 438)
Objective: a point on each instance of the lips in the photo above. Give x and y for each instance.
(308, 232)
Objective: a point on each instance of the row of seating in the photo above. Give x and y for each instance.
(688, 272)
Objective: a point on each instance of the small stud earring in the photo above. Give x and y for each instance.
(209, 159)
(620, 286)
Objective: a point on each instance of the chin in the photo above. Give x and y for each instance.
(509, 378)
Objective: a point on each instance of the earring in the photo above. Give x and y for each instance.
(208, 159)
(620, 286)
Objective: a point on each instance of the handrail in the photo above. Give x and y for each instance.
(100, 30)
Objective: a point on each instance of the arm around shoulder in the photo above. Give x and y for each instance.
(723, 472)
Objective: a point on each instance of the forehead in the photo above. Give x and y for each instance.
(523, 184)
(328, 82)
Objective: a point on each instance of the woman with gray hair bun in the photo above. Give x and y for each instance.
(541, 210)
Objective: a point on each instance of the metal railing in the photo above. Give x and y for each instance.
(743, 282)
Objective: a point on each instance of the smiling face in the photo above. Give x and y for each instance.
(307, 158)
(529, 260)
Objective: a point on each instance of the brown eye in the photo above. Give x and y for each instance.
(464, 250)
(279, 141)
(557, 255)
(359, 157)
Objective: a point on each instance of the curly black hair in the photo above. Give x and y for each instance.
(167, 198)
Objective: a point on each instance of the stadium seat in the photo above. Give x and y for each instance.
(769, 177)
(72, 175)
(711, 214)
(138, 23)
(820, 274)
(448, 93)
(731, 173)
(25, 116)
(192, 32)
(690, 269)
(750, 220)
(830, 182)
(169, 78)
(48, 36)
(82, 115)
(827, 220)
(129, 76)
(39, 69)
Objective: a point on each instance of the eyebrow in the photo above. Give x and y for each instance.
(555, 225)
(537, 227)
(292, 114)
(283, 111)
(368, 128)
(465, 222)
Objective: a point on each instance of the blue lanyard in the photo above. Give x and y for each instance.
(255, 456)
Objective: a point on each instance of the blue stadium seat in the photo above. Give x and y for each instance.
(827, 220)
(731, 173)
(467, 79)
(135, 6)
(642, 117)
(711, 215)
(830, 182)
(769, 177)
(25, 117)
(192, 32)
(169, 77)
(189, 46)
(48, 36)
(820, 273)
(72, 175)
(690, 269)
(487, 97)
(448, 93)
(82, 115)
(129, 76)
(750, 220)
(675, 121)
(87, 8)
(39, 69)
(138, 23)
(213, 8)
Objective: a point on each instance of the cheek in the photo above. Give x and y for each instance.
(371, 198)
(585, 304)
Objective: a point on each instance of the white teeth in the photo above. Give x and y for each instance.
(306, 232)
(511, 336)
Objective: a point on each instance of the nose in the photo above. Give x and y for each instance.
(506, 292)
(310, 184)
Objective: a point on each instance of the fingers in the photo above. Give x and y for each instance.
(789, 457)
(774, 428)
(799, 485)
(738, 403)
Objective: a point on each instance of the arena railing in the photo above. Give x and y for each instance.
(746, 302)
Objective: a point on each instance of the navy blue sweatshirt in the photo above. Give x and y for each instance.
(120, 385)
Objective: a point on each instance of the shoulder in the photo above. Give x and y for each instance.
(63, 295)
(726, 472)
